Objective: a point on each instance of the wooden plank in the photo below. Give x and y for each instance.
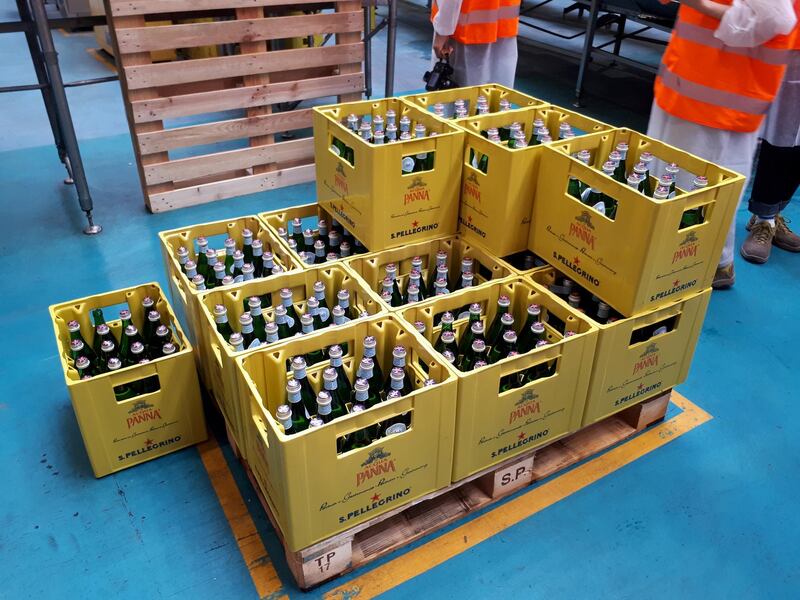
(190, 35)
(247, 97)
(154, 125)
(221, 131)
(152, 7)
(346, 67)
(192, 196)
(194, 87)
(221, 162)
(203, 69)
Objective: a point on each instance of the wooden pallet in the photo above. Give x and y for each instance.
(395, 529)
(251, 81)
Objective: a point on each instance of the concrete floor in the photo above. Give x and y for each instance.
(710, 514)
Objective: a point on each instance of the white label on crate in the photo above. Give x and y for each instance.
(513, 477)
(329, 564)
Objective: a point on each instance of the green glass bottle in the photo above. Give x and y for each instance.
(199, 283)
(673, 170)
(183, 257)
(642, 172)
(129, 337)
(526, 338)
(238, 263)
(370, 351)
(77, 349)
(496, 328)
(202, 258)
(84, 367)
(98, 319)
(307, 395)
(162, 336)
(534, 334)
(221, 319)
(74, 329)
(325, 408)
(512, 380)
(108, 350)
(334, 244)
(287, 301)
(297, 233)
(467, 264)
(477, 352)
(335, 356)
(123, 391)
(399, 362)
(211, 261)
(359, 438)
(363, 396)
(694, 216)
(443, 273)
(249, 339)
(219, 275)
(324, 312)
(257, 258)
(294, 394)
(621, 171)
(506, 345)
(343, 299)
(102, 334)
(191, 270)
(446, 320)
(271, 333)
(475, 332)
(315, 356)
(446, 341)
(391, 274)
(137, 354)
(312, 308)
(412, 293)
(282, 322)
(257, 315)
(283, 415)
(441, 260)
(330, 381)
(366, 371)
(420, 327)
(416, 265)
(267, 265)
(247, 245)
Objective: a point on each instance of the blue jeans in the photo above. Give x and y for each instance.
(776, 180)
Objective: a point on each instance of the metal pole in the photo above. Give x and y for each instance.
(391, 42)
(368, 47)
(41, 76)
(62, 111)
(591, 26)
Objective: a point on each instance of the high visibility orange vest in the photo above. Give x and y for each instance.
(703, 81)
(484, 21)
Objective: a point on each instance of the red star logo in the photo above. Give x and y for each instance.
(676, 282)
(469, 218)
(576, 260)
(641, 385)
(521, 436)
(415, 223)
(148, 442)
(376, 497)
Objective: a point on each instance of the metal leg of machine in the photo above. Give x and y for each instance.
(591, 27)
(62, 113)
(391, 42)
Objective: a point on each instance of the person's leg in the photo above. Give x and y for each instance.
(777, 178)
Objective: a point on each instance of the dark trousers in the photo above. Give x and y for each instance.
(776, 180)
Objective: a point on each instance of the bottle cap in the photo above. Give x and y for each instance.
(137, 348)
(391, 270)
(344, 249)
(475, 308)
(315, 422)
(412, 289)
(370, 342)
(298, 363)
(227, 280)
(238, 255)
(448, 337)
(534, 309)
(162, 331)
(130, 330)
(416, 263)
(306, 320)
(313, 304)
(672, 168)
(394, 429)
(393, 395)
(319, 287)
(609, 167)
(357, 408)
(343, 295)
(236, 339)
(201, 241)
(293, 386)
(148, 302)
(286, 294)
(103, 329)
(219, 268)
(449, 356)
(329, 374)
(448, 318)
(419, 326)
(399, 352)
(538, 328)
(335, 351)
(254, 302)
(478, 346)
(190, 265)
(386, 296)
(211, 256)
(284, 412)
(114, 364)
(504, 301)
(124, 314)
(331, 256)
(509, 337)
(477, 328)
(366, 364)
(76, 345)
(168, 348)
(107, 346)
(82, 362)
(337, 311)
(507, 319)
(540, 343)
(197, 280)
(73, 326)
(574, 298)
(246, 319)
(319, 247)
(230, 245)
(323, 401)
(271, 328)
(482, 363)
(292, 244)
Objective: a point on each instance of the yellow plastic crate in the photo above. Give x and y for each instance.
(496, 205)
(373, 198)
(315, 493)
(626, 372)
(282, 218)
(516, 262)
(494, 92)
(121, 434)
(218, 354)
(641, 260)
(184, 296)
(491, 426)
(372, 267)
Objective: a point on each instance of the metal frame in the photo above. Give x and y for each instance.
(390, 23)
(36, 26)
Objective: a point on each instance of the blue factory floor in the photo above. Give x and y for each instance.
(711, 513)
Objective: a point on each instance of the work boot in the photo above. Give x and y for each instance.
(723, 278)
(785, 238)
(758, 244)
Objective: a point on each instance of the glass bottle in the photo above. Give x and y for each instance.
(202, 257)
(294, 394)
(307, 394)
(323, 311)
(122, 391)
(330, 382)
(496, 328)
(399, 362)
(370, 351)
(336, 358)
(237, 342)
(315, 356)
(287, 301)
(501, 350)
(283, 415)
(230, 248)
(477, 352)
(74, 329)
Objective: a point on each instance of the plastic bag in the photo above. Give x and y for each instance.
(750, 23)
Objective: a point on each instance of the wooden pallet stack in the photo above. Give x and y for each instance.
(177, 109)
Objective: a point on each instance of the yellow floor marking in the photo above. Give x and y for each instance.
(103, 58)
(265, 579)
(453, 543)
